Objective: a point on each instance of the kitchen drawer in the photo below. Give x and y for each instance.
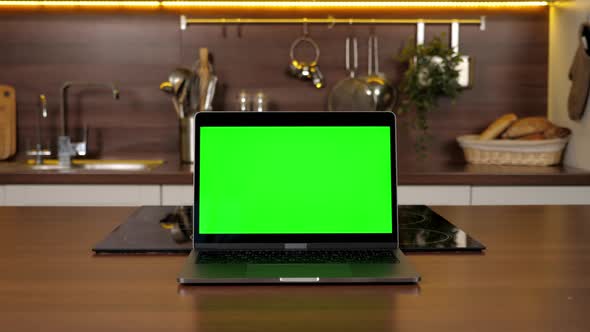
(177, 195)
(530, 195)
(82, 195)
(434, 195)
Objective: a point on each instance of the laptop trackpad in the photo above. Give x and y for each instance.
(298, 270)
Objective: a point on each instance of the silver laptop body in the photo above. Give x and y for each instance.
(295, 197)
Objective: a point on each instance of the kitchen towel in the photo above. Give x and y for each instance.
(580, 76)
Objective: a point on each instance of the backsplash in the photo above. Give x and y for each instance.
(40, 51)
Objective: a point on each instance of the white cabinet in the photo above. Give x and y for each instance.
(428, 195)
(2, 195)
(81, 195)
(530, 195)
(434, 195)
(137, 195)
(177, 195)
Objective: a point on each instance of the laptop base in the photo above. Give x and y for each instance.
(400, 272)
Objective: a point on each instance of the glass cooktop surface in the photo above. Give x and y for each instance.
(154, 229)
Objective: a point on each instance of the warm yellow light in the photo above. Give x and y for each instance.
(50, 3)
(277, 4)
(353, 4)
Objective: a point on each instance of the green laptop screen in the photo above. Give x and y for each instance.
(295, 180)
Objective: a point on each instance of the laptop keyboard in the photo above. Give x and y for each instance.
(296, 256)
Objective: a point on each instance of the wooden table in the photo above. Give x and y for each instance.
(534, 276)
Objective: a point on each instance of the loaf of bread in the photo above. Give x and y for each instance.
(527, 126)
(532, 137)
(498, 126)
(556, 132)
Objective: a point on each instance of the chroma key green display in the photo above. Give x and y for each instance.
(295, 180)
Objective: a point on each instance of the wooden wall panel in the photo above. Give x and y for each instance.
(39, 51)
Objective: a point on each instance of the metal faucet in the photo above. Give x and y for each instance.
(65, 147)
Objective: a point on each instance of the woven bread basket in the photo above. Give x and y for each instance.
(512, 152)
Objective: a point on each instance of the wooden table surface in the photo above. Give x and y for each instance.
(534, 276)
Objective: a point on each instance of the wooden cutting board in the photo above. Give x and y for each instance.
(7, 122)
(204, 76)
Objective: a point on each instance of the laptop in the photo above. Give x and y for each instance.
(295, 197)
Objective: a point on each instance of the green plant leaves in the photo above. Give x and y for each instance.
(432, 74)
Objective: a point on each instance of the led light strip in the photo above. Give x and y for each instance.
(278, 4)
(80, 3)
(353, 4)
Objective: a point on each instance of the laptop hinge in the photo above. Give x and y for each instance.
(296, 246)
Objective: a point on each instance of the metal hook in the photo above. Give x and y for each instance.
(455, 36)
(305, 30)
(420, 27)
(332, 22)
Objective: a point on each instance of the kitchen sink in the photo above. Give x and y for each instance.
(98, 165)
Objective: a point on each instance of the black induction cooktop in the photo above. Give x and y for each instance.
(147, 231)
(421, 229)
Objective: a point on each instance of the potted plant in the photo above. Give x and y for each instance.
(432, 74)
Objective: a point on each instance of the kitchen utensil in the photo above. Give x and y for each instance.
(350, 94)
(194, 94)
(304, 70)
(183, 98)
(178, 78)
(179, 85)
(183, 84)
(177, 107)
(167, 87)
(382, 93)
(210, 93)
(7, 122)
(204, 74)
(187, 139)
(465, 67)
(203, 89)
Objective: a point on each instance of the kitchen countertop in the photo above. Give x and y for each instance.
(532, 277)
(171, 172)
(175, 173)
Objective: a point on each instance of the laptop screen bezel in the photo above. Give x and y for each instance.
(339, 240)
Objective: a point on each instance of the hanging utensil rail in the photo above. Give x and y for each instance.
(331, 21)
